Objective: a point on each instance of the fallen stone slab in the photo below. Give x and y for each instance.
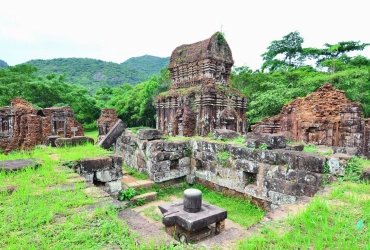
(74, 141)
(112, 135)
(78, 140)
(14, 165)
(149, 134)
(225, 134)
(272, 141)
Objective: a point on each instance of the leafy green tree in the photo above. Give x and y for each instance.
(285, 53)
(21, 81)
(335, 55)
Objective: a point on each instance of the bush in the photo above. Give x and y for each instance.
(90, 127)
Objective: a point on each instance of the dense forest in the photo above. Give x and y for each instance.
(289, 71)
(96, 74)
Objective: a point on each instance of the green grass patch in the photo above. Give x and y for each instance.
(37, 215)
(134, 173)
(239, 210)
(222, 157)
(178, 138)
(93, 134)
(339, 221)
(310, 148)
(151, 213)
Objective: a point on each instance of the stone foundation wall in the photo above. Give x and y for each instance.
(161, 160)
(266, 176)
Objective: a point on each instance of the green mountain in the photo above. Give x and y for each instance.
(95, 74)
(3, 64)
(151, 65)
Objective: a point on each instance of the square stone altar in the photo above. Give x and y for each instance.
(193, 220)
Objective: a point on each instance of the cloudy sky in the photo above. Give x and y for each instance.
(117, 30)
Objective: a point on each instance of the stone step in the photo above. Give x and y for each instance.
(78, 179)
(72, 175)
(145, 184)
(94, 192)
(147, 196)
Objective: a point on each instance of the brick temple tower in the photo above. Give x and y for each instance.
(201, 98)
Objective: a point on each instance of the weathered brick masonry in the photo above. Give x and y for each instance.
(325, 117)
(201, 98)
(22, 126)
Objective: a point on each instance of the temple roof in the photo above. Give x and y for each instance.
(214, 47)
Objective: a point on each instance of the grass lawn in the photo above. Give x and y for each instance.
(39, 216)
(93, 134)
(337, 221)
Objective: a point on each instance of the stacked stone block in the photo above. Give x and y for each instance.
(106, 170)
(161, 160)
(273, 176)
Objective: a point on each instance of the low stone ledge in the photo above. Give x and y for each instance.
(77, 140)
(149, 134)
(147, 196)
(95, 164)
(15, 165)
(50, 140)
(225, 134)
(272, 141)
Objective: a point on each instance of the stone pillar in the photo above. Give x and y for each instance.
(192, 200)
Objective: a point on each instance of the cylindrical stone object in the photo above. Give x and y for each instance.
(192, 200)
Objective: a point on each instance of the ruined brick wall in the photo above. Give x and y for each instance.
(46, 128)
(32, 132)
(325, 117)
(107, 120)
(277, 177)
(22, 126)
(20, 109)
(199, 111)
(59, 121)
(6, 126)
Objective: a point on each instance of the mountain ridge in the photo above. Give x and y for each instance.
(95, 73)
